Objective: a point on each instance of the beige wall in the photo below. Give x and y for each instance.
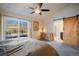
(68, 11)
(58, 28)
(33, 34)
(36, 34)
(0, 26)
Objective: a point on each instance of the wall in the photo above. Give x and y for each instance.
(33, 34)
(70, 10)
(0, 26)
(58, 28)
(36, 34)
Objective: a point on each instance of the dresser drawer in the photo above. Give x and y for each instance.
(19, 51)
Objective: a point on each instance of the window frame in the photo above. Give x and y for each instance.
(18, 34)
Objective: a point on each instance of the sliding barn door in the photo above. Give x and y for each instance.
(70, 30)
(78, 30)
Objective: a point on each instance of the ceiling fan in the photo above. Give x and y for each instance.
(38, 9)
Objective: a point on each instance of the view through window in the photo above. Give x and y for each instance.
(14, 27)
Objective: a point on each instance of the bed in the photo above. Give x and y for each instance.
(30, 47)
(39, 48)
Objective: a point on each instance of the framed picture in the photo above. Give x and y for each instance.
(35, 25)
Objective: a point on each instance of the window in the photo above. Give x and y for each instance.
(15, 28)
(23, 28)
(11, 26)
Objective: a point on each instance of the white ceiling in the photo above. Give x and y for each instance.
(23, 9)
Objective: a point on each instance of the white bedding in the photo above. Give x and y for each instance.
(33, 44)
(34, 47)
(39, 48)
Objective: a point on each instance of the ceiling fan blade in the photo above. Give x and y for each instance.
(45, 10)
(31, 7)
(40, 13)
(40, 5)
(32, 12)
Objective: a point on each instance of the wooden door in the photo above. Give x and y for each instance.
(70, 30)
(78, 30)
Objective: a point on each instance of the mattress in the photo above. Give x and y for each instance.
(39, 48)
(31, 47)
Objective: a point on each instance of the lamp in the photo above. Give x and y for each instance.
(43, 33)
(37, 11)
(42, 30)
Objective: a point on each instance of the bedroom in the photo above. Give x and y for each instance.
(39, 29)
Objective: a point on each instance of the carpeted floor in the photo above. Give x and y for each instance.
(63, 50)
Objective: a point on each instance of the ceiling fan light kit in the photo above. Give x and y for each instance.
(37, 11)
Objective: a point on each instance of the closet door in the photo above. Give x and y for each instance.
(70, 30)
(78, 30)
